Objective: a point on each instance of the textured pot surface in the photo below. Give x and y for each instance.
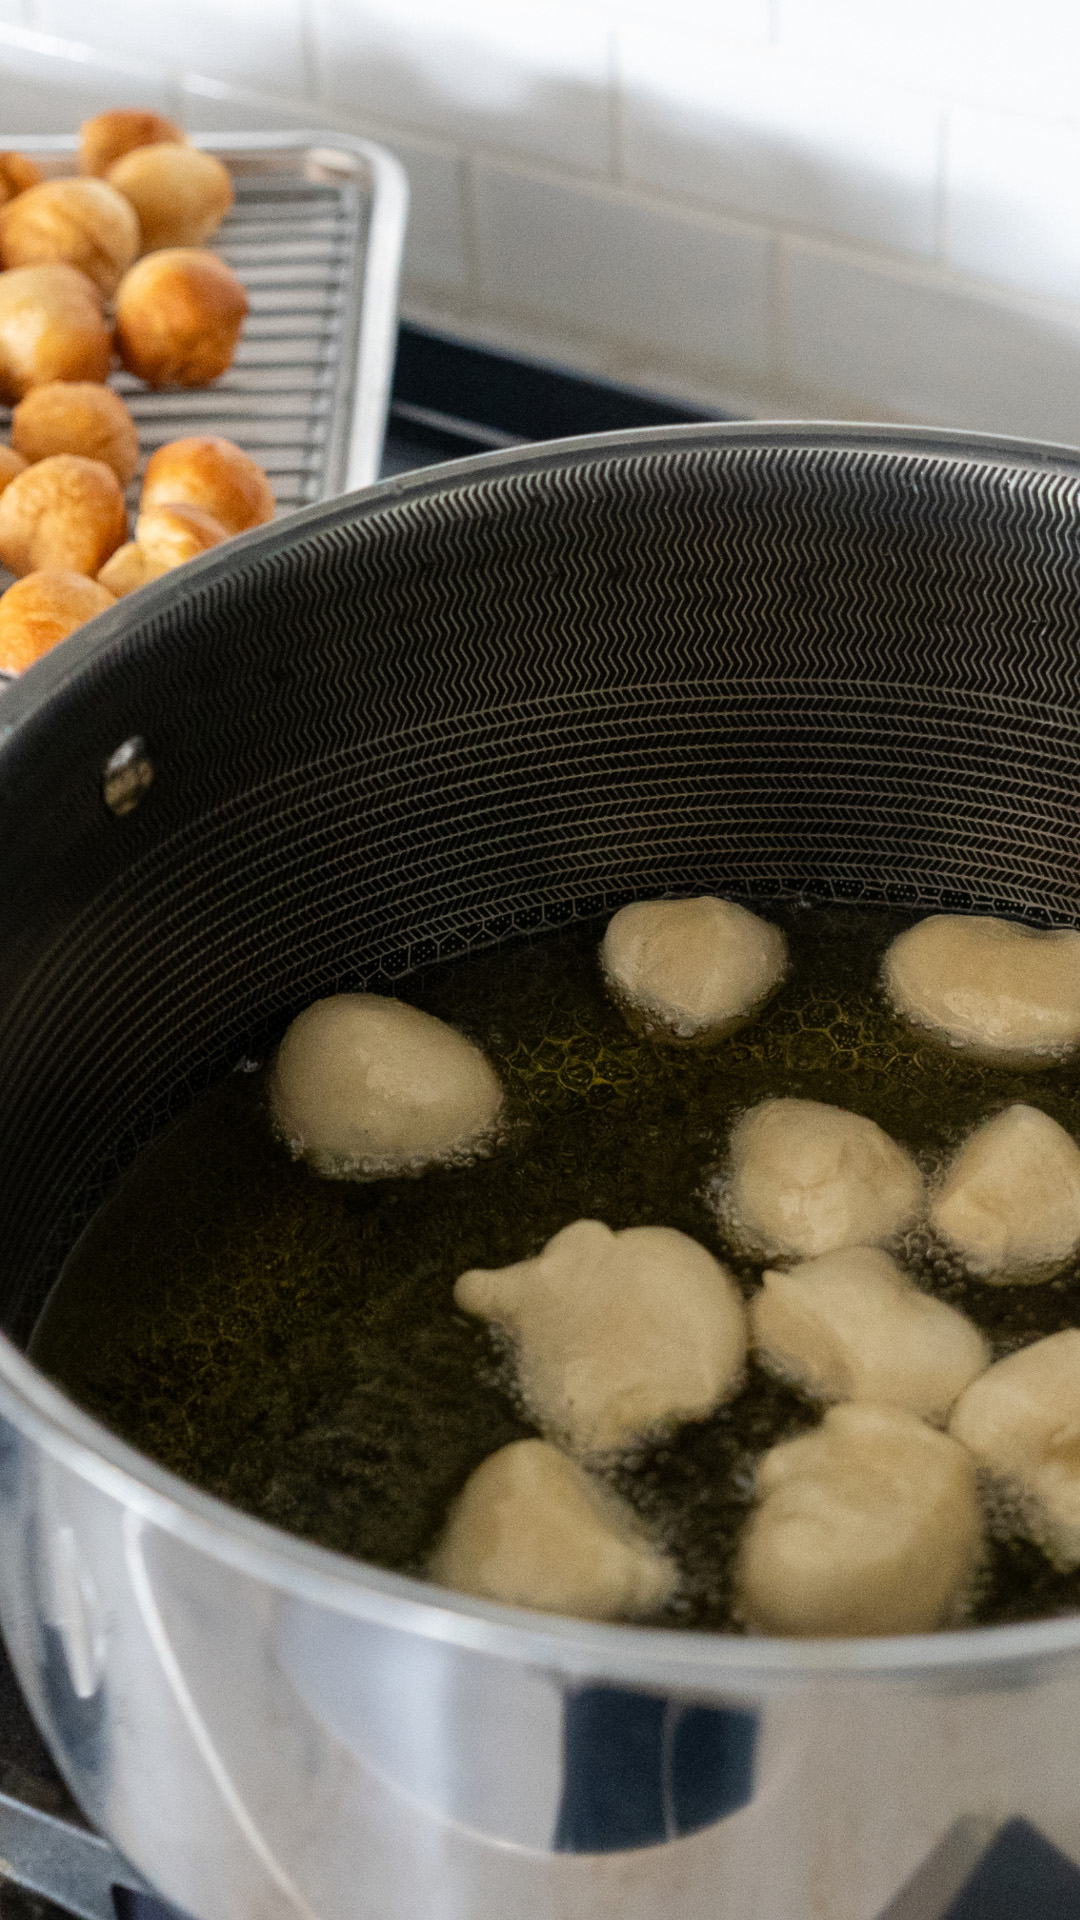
(826, 663)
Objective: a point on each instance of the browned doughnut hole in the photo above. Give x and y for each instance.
(51, 328)
(77, 416)
(170, 533)
(86, 223)
(178, 317)
(63, 512)
(107, 136)
(16, 174)
(214, 474)
(42, 609)
(179, 194)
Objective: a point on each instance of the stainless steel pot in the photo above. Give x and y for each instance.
(839, 663)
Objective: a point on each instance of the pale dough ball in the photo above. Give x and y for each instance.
(85, 223)
(1010, 1201)
(77, 416)
(851, 1326)
(364, 1085)
(1021, 1421)
(40, 610)
(867, 1525)
(805, 1178)
(531, 1529)
(617, 1335)
(179, 194)
(693, 969)
(999, 990)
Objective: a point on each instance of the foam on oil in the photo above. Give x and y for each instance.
(291, 1344)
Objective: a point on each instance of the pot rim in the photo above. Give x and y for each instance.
(712, 1664)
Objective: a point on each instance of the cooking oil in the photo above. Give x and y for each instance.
(291, 1343)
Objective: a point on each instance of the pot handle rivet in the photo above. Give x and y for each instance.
(126, 775)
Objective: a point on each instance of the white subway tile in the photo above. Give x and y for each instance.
(869, 341)
(257, 42)
(44, 90)
(436, 251)
(780, 142)
(999, 52)
(665, 281)
(745, 20)
(530, 76)
(1012, 202)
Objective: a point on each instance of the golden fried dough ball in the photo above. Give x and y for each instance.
(127, 569)
(16, 174)
(63, 512)
(77, 416)
(213, 474)
(85, 222)
(107, 136)
(51, 328)
(171, 533)
(43, 608)
(179, 194)
(11, 463)
(178, 317)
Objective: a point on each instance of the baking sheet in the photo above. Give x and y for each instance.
(316, 236)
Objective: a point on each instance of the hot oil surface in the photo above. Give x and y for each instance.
(291, 1344)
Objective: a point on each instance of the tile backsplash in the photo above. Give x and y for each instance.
(857, 208)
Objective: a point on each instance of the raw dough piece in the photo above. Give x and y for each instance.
(1001, 991)
(530, 1528)
(1010, 1201)
(1021, 1421)
(869, 1524)
(852, 1326)
(618, 1335)
(694, 969)
(364, 1085)
(40, 610)
(805, 1178)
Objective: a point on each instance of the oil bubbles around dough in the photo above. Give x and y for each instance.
(851, 1325)
(617, 1336)
(364, 1085)
(532, 1529)
(804, 1178)
(867, 1525)
(1001, 991)
(691, 969)
(1021, 1421)
(1010, 1199)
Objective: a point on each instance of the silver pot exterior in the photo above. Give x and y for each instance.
(263, 1732)
(265, 1729)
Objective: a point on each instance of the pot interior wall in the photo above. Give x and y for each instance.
(402, 728)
